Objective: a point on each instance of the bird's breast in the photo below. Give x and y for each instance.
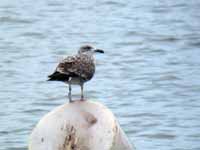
(86, 68)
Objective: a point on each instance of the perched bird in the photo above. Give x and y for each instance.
(76, 69)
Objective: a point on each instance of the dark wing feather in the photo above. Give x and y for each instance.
(81, 66)
(57, 76)
(64, 70)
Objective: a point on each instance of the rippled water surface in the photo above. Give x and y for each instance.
(149, 75)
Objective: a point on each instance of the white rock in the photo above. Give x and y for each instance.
(81, 125)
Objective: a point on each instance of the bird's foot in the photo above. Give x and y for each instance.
(82, 99)
(71, 101)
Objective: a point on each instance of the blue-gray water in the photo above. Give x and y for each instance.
(149, 75)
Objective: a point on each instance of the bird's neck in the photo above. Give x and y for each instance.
(89, 55)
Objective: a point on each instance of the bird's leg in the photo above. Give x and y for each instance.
(82, 96)
(70, 90)
(70, 94)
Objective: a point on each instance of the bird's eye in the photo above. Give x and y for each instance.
(87, 48)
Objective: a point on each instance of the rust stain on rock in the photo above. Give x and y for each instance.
(70, 141)
(90, 118)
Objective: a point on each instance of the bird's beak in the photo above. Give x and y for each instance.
(98, 51)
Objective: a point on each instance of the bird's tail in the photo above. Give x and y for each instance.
(57, 76)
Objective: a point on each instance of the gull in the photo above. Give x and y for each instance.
(77, 69)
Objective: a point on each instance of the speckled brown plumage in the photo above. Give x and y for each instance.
(80, 67)
(76, 69)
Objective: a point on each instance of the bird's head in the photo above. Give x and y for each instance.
(87, 49)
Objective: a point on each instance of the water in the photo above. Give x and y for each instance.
(149, 75)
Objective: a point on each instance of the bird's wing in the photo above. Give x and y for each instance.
(67, 65)
(74, 66)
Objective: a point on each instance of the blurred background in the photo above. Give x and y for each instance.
(149, 76)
